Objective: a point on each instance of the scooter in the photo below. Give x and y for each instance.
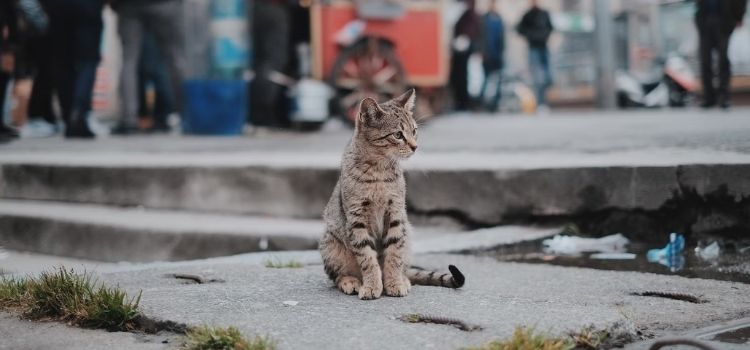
(676, 87)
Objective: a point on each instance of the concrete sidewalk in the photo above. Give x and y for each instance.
(497, 297)
(300, 308)
(578, 133)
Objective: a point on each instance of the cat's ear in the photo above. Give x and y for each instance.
(369, 111)
(406, 100)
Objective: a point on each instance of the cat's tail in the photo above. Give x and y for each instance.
(455, 279)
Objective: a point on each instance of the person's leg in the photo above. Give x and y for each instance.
(40, 103)
(129, 27)
(537, 74)
(159, 77)
(546, 69)
(143, 81)
(62, 31)
(498, 76)
(725, 68)
(152, 69)
(6, 132)
(89, 36)
(486, 72)
(707, 74)
(88, 32)
(169, 34)
(4, 80)
(462, 81)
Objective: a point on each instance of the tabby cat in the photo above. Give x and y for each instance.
(365, 247)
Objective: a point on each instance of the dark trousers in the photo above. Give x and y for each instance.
(714, 37)
(152, 70)
(75, 37)
(4, 80)
(271, 44)
(491, 74)
(40, 103)
(460, 79)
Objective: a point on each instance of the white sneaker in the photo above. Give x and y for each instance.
(37, 128)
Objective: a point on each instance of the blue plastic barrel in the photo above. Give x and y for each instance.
(215, 107)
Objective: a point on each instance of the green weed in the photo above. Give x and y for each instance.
(65, 295)
(215, 338)
(525, 338)
(278, 264)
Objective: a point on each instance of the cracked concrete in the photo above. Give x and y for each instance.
(497, 297)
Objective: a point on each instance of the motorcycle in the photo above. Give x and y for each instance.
(676, 86)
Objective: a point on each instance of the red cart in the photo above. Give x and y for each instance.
(378, 49)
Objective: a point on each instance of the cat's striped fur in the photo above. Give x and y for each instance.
(365, 247)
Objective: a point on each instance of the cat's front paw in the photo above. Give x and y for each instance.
(398, 287)
(349, 285)
(370, 291)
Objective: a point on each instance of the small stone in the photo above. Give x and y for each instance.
(291, 303)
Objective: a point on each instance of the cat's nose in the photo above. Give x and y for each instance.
(413, 148)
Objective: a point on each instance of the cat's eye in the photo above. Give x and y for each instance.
(399, 135)
(414, 132)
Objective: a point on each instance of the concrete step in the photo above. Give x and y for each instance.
(477, 191)
(113, 234)
(131, 234)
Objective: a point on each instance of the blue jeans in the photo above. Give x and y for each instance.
(83, 87)
(496, 77)
(540, 72)
(152, 70)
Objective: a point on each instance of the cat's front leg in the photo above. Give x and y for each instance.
(363, 247)
(395, 248)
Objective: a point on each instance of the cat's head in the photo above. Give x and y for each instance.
(389, 127)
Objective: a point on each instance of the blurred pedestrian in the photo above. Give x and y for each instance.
(21, 21)
(152, 71)
(716, 19)
(75, 36)
(465, 36)
(8, 42)
(536, 27)
(162, 18)
(492, 42)
(42, 120)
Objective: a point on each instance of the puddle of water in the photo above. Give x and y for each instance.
(736, 336)
(733, 263)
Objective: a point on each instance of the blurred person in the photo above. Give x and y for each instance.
(271, 27)
(153, 71)
(716, 20)
(162, 18)
(492, 43)
(42, 120)
(8, 42)
(536, 27)
(20, 21)
(74, 37)
(465, 36)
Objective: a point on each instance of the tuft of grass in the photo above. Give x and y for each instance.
(590, 338)
(411, 318)
(278, 264)
(526, 338)
(216, 338)
(110, 308)
(12, 291)
(65, 295)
